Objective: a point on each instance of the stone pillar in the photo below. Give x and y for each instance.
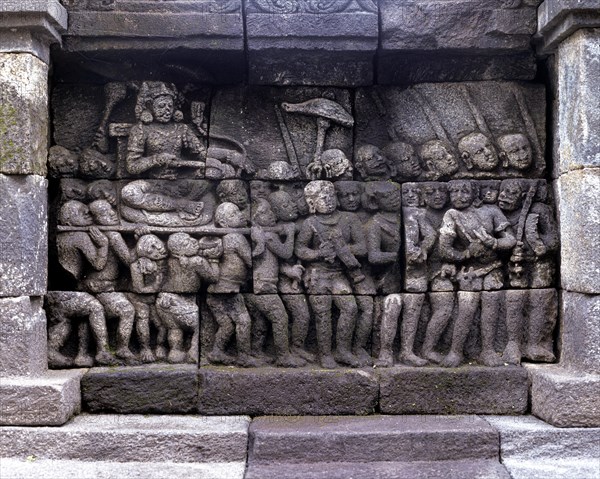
(568, 393)
(29, 393)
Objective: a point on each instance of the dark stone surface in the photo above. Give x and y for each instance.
(465, 390)
(373, 438)
(142, 390)
(286, 391)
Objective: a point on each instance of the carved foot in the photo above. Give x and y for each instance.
(538, 353)
(489, 357)
(105, 359)
(216, 356)
(385, 359)
(512, 353)
(192, 357)
(147, 356)
(452, 360)
(263, 357)
(364, 358)
(347, 358)
(412, 360)
(83, 361)
(160, 352)
(58, 360)
(247, 361)
(176, 356)
(290, 361)
(327, 362)
(433, 356)
(303, 353)
(125, 353)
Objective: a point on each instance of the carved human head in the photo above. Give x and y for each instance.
(283, 205)
(75, 213)
(371, 164)
(233, 191)
(511, 195)
(435, 194)
(229, 215)
(488, 191)
(404, 158)
(320, 197)
(151, 247)
(477, 151)
(515, 151)
(182, 244)
(437, 156)
(462, 193)
(412, 195)
(74, 189)
(62, 162)
(383, 195)
(296, 191)
(262, 214)
(337, 163)
(281, 170)
(103, 213)
(94, 164)
(260, 188)
(158, 101)
(103, 190)
(349, 194)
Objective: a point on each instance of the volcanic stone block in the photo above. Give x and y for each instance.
(23, 235)
(287, 391)
(580, 331)
(495, 35)
(579, 101)
(465, 390)
(578, 198)
(23, 114)
(42, 401)
(22, 337)
(311, 43)
(144, 389)
(564, 397)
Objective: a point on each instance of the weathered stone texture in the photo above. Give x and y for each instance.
(580, 332)
(47, 401)
(141, 390)
(473, 390)
(23, 114)
(579, 101)
(578, 196)
(23, 236)
(287, 391)
(22, 337)
(563, 397)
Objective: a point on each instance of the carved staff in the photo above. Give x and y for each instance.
(477, 115)
(287, 141)
(114, 93)
(529, 124)
(515, 267)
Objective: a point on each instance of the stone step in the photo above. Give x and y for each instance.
(371, 439)
(132, 438)
(480, 469)
(53, 469)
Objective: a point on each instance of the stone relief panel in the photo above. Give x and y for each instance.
(311, 6)
(294, 226)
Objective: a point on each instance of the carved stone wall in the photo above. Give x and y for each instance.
(255, 226)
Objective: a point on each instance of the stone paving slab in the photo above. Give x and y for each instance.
(370, 439)
(466, 390)
(133, 438)
(280, 391)
(159, 388)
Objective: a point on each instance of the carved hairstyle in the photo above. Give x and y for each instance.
(224, 211)
(373, 192)
(226, 187)
(69, 210)
(317, 187)
(260, 207)
(363, 153)
(101, 190)
(151, 90)
(143, 245)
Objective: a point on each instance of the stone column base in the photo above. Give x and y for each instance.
(49, 400)
(564, 397)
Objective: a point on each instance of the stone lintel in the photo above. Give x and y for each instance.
(31, 26)
(559, 19)
(565, 397)
(50, 400)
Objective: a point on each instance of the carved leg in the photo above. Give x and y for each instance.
(364, 327)
(515, 309)
(142, 327)
(467, 306)
(176, 353)
(345, 330)
(83, 359)
(117, 305)
(442, 305)
(58, 334)
(392, 306)
(542, 318)
(408, 331)
(98, 324)
(243, 325)
(490, 309)
(297, 305)
(321, 306)
(225, 329)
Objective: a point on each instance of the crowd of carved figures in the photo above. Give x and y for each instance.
(185, 243)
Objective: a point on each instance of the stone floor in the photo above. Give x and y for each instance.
(324, 447)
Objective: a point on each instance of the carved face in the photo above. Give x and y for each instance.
(264, 215)
(511, 195)
(229, 215)
(489, 192)
(478, 149)
(260, 189)
(411, 195)
(461, 194)
(437, 157)
(436, 195)
(182, 244)
(150, 246)
(80, 216)
(104, 213)
(162, 108)
(517, 150)
(233, 191)
(320, 197)
(348, 195)
(390, 199)
(284, 206)
(372, 162)
(404, 157)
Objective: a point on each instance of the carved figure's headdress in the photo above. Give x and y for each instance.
(151, 90)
